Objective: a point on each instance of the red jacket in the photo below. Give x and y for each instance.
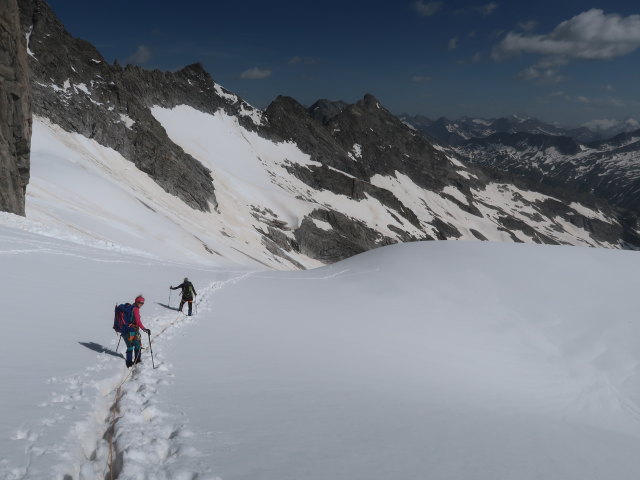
(137, 323)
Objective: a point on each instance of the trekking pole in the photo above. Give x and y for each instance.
(169, 296)
(151, 350)
(118, 343)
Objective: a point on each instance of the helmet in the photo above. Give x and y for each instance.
(186, 279)
(139, 299)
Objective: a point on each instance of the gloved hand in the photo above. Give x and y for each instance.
(147, 331)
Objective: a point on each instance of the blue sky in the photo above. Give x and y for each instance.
(562, 61)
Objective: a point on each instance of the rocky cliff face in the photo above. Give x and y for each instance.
(15, 110)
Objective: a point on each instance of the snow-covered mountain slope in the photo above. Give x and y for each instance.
(80, 186)
(609, 169)
(432, 360)
(280, 187)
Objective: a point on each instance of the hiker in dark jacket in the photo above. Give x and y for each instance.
(132, 334)
(188, 293)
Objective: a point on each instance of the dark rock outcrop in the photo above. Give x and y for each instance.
(15, 110)
(345, 237)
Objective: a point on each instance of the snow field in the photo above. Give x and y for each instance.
(59, 368)
(95, 196)
(431, 360)
(437, 360)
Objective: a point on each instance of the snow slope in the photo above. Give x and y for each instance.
(92, 194)
(466, 360)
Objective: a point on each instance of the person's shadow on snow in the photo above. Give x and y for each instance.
(96, 347)
(167, 306)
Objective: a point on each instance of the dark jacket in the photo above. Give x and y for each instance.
(188, 292)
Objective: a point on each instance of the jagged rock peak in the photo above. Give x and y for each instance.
(369, 101)
(197, 70)
(324, 110)
(285, 104)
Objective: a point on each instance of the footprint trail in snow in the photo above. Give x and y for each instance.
(126, 434)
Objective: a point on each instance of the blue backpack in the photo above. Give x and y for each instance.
(123, 317)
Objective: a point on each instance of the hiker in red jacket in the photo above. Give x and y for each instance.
(132, 335)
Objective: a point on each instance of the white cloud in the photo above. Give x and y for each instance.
(600, 124)
(255, 74)
(606, 124)
(591, 35)
(427, 9)
(542, 75)
(453, 43)
(528, 26)
(142, 55)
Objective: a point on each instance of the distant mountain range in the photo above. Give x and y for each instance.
(561, 159)
(456, 132)
(329, 181)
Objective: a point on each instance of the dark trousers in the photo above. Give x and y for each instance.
(183, 301)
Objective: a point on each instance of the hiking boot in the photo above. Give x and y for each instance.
(129, 363)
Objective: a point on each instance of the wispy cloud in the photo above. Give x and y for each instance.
(427, 9)
(528, 26)
(297, 60)
(419, 79)
(600, 102)
(487, 9)
(453, 43)
(484, 10)
(541, 75)
(255, 73)
(477, 58)
(141, 56)
(606, 124)
(591, 102)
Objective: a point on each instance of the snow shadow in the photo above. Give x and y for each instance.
(175, 309)
(96, 347)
